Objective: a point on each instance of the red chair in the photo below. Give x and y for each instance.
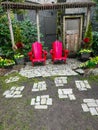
(58, 53)
(37, 54)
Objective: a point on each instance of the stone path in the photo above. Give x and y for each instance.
(60, 81)
(40, 86)
(12, 79)
(82, 85)
(46, 71)
(14, 92)
(41, 102)
(66, 93)
(90, 105)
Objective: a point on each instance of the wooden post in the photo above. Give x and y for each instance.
(38, 28)
(10, 27)
(88, 18)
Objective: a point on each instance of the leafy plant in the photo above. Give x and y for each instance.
(27, 33)
(27, 29)
(17, 34)
(85, 51)
(90, 63)
(6, 62)
(18, 55)
(95, 43)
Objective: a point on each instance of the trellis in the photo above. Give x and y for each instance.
(40, 7)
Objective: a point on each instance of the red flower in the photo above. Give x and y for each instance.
(19, 45)
(86, 40)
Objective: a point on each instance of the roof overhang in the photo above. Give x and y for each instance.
(55, 6)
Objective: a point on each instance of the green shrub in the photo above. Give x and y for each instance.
(27, 34)
(90, 63)
(88, 34)
(95, 43)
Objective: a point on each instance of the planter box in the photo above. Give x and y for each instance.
(85, 56)
(20, 61)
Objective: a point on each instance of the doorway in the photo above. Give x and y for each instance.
(72, 32)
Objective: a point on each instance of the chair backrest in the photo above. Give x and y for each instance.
(57, 49)
(37, 50)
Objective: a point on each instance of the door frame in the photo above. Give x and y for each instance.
(73, 16)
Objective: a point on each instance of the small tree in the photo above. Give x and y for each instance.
(88, 34)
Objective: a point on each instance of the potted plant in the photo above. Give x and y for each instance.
(86, 45)
(85, 54)
(19, 58)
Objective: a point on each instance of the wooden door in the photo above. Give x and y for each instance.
(72, 33)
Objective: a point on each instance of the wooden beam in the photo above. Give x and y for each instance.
(55, 6)
(38, 27)
(88, 17)
(10, 28)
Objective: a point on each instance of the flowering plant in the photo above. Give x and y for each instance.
(85, 43)
(86, 40)
(85, 46)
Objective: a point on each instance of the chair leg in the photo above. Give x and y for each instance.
(32, 64)
(64, 61)
(44, 63)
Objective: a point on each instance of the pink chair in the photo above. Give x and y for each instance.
(58, 53)
(37, 54)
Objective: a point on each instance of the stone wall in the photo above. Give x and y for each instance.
(94, 19)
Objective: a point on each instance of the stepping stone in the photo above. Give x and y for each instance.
(93, 111)
(60, 92)
(67, 91)
(96, 101)
(12, 79)
(17, 92)
(39, 86)
(41, 106)
(49, 101)
(45, 96)
(89, 100)
(85, 107)
(14, 92)
(17, 96)
(13, 88)
(33, 101)
(38, 99)
(92, 104)
(6, 92)
(63, 96)
(9, 96)
(41, 102)
(72, 97)
(82, 85)
(80, 71)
